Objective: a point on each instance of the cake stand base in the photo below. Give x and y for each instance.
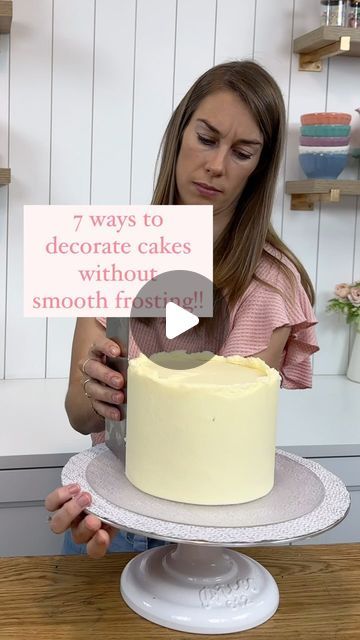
(206, 589)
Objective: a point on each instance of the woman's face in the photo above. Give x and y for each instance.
(221, 147)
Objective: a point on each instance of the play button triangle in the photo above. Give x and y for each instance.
(178, 320)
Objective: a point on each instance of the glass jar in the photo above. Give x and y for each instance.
(333, 13)
(353, 14)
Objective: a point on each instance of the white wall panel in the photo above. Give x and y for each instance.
(195, 43)
(337, 229)
(60, 331)
(234, 30)
(356, 142)
(307, 94)
(72, 86)
(154, 69)
(274, 54)
(4, 162)
(335, 260)
(71, 136)
(356, 269)
(355, 128)
(113, 100)
(30, 95)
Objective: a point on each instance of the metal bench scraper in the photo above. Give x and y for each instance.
(117, 329)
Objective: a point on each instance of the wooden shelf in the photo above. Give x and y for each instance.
(5, 15)
(304, 193)
(326, 42)
(5, 177)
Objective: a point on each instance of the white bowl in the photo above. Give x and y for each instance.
(304, 149)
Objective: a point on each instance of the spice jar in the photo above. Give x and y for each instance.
(353, 14)
(333, 12)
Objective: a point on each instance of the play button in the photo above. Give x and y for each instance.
(178, 320)
(179, 311)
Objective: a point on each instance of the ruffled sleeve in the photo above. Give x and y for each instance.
(262, 310)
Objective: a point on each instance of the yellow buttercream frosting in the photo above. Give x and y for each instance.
(202, 435)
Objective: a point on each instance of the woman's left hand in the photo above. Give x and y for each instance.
(68, 503)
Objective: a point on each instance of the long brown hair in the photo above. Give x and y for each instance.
(238, 250)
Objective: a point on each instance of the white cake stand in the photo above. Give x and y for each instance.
(198, 585)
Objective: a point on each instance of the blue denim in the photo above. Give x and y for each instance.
(123, 541)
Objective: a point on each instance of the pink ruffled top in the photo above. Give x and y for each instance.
(260, 311)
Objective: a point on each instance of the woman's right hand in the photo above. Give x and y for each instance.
(68, 502)
(103, 386)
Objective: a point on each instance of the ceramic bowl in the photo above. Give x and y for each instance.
(322, 165)
(311, 141)
(325, 117)
(328, 150)
(327, 130)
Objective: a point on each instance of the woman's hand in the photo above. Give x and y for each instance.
(68, 503)
(103, 385)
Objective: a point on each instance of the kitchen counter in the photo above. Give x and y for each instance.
(77, 598)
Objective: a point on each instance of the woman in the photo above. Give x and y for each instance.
(222, 146)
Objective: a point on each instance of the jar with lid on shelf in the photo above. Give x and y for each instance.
(333, 13)
(353, 14)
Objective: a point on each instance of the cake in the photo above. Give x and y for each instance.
(202, 435)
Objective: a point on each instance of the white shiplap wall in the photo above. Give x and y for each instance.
(86, 90)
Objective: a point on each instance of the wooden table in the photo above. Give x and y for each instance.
(77, 598)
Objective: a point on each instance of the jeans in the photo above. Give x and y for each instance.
(123, 541)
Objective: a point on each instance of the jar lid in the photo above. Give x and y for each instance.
(332, 2)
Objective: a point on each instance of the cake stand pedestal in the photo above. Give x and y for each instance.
(199, 589)
(198, 585)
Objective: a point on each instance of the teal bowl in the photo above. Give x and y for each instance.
(328, 130)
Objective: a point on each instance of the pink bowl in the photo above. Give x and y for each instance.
(325, 117)
(310, 141)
